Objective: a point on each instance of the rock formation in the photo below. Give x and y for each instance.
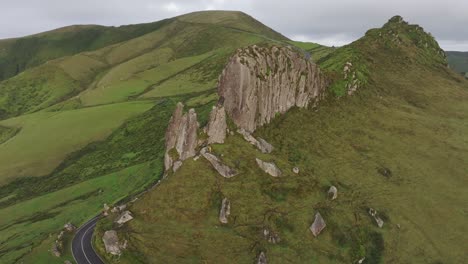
(124, 218)
(225, 211)
(262, 258)
(260, 143)
(271, 237)
(269, 167)
(332, 193)
(260, 82)
(111, 242)
(222, 169)
(69, 227)
(217, 125)
(378, 220)
(318, 225)
(181, 137)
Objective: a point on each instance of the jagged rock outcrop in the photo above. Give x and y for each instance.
(262, 258)
(225, 211)
(378, 220)
(260, 143)
(260, 82)
(318, 225)
(332, 193)
(222, 169)
(111, 242)
(124, 218)
(216, 129)
(269, 167)
(181, 137)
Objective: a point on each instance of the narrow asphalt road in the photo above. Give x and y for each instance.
(82, 248)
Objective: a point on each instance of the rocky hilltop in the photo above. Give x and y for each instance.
(259, 82)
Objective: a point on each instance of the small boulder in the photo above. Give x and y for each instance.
(176, 165)
(67, 262)
(271, 237)
(111, 242)
(264, 146)
(69, 227)
(225, 211)
(296, 170)
(262, 258)
(222, 169)
(332, 193)
(269, 167)
(55, 250)
(124, 218)
(318, 225)
(378, 220)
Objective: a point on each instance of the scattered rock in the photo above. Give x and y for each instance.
(55, 250)
(181, 136)
(217, 125)
(318, 225)
(223, 170)
(377, 219)
(60, 236)
(105, 211)
(69, 227)
(260, 82)
(296, 170)
(176, 165)
(262, 258)
(196, 158)
(361, 260)
(67, 262)
(225, 211)
(269, 167)
(124, 218)
(385, 172)
(111, 242)
(332, 193)
(264, 146)
(271, 237)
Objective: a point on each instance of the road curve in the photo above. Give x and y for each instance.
(82, 247)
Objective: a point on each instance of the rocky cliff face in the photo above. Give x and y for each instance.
(259, 82)
(181, 136)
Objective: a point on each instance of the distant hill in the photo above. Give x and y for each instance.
(458, 61)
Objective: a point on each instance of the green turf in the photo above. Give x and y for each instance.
(46, 138)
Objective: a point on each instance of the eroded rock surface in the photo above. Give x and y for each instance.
(222, 169)
(124, 218)
(269, 167)
(260, 82)
(181, 137)
(225, 211)
(260, 143)
(318, 225)
(217, 125)
(111, 242)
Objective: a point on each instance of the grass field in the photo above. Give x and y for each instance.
(25, 225)
(45, 138)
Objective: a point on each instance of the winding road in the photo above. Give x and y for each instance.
(82, 247)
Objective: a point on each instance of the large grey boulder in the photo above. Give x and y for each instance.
(217, 125)
(318, 225)
(181, 136)
(260, 143)
(124, 218)
(262, 258)
(222, 169)
(269, 167)
(332, 193)
(225, 211)
(111, 242)
(260, 82)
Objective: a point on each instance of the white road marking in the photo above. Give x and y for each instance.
(82, 247)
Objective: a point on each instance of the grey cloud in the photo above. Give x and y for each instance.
(330, 22)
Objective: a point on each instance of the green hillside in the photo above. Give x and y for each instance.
(397, 145)
(458, 61)
(84, 119)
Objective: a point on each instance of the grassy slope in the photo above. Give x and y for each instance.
(46, 138)
(168, 59)
(411, 118)
(174, 47)
(458, 61)
(19, 54)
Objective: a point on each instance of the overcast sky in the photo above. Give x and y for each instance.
(329, 22)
